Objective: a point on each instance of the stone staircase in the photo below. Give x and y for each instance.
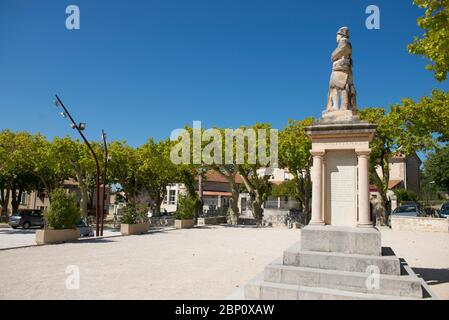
(336, 263)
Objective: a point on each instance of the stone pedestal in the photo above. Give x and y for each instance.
(336, 263)
(339, 255)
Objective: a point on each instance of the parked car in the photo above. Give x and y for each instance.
(408, 210)
(444, 212)
(26, 219)
(84, 229)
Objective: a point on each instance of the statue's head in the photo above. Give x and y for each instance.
(342, 33)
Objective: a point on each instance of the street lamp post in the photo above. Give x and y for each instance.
(80, 127)
(105, 177)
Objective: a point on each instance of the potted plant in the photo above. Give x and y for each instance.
(61, 218)
(184, 217)
(134, 220)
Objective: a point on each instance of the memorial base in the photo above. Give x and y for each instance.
(336, 263)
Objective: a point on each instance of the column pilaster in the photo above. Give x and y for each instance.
(317, 188)
(363, 181)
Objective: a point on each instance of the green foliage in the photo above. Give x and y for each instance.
(63, 212)
(294, 155)
(257, 185)
(399, 132)
(285, 189)
(156, 170)
(74, 159)
(186, 207)
(426, 120)
(436, 167)
(405, 195)
(124, 170)
(434, 45)
(133, 214)
(17, 166)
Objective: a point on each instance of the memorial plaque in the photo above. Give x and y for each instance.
(341, 188)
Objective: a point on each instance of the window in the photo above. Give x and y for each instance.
(171, 196)
(243, 204)
(23, 198)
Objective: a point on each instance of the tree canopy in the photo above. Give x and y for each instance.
(434, 44)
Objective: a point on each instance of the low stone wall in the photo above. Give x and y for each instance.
(420, 224)
(275, 217)
(162, 222)
(211, 220)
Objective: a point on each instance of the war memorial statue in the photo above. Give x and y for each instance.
(341, 85)
(339, 254)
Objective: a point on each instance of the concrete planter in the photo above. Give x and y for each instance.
(50, 236)
(211, 220)
(184, 224)
(130, 229)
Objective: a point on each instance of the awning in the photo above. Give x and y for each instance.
(217, 193)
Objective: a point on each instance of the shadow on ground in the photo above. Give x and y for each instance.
(433, 276)
(18, 231)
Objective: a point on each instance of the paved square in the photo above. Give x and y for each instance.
(200, 263)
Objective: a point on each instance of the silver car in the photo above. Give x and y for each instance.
(408, 210)
(84, 229)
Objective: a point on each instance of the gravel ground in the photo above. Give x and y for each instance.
(426, 252)
(200, 263)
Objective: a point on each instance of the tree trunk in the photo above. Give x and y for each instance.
(15, 200)
(234, 203)
(308, 195)
(381, 211)
(84, 200)
(256, 205)
(157, 205)
(255, 198)
(382, 187)
(4, 201)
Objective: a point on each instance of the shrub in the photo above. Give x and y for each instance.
(63, 212)
(405, 195)
(133, 214)
(186, 207)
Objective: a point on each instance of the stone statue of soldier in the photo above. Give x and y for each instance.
(341, 86)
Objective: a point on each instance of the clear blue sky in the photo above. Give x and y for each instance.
(143, 68)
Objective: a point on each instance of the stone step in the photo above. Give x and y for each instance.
(364, 241)
(261, 290)
(294, 256)
(405, 286)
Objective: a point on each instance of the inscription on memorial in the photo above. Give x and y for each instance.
(341, 188)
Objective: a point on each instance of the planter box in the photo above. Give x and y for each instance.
(211, 220)
(50, 236)
(207, 221)
(184, 224)
(138, 228)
